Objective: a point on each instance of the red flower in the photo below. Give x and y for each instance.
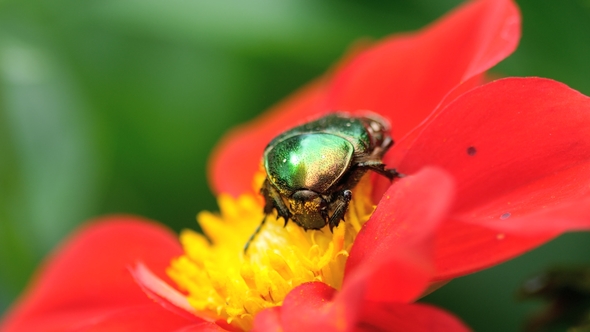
(517, 148)
(515, 175)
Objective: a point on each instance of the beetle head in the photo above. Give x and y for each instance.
(308, 209)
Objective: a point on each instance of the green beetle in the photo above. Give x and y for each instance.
(311, 169)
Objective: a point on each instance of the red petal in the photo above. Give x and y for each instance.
(408, 318)
(395, 245)
(406, 77)
(520, 152)
(148, 317)
(463, 248)
(398, 76)
(144, 321)
(268, 320)
(87, 281)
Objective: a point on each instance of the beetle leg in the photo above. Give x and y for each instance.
(340, 207)
(378, 167)
(273, 200)
(254, 234)
(324, 214)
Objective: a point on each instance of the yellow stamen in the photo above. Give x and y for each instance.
(224, 283)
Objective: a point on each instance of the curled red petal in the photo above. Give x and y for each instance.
(393, 251)
(312, 307)
(315, 306)
(520, 153)
(403, 78)
(318, 307)
(505, 238)
(408, 318)
(87, 281)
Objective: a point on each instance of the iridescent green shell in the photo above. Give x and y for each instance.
(313, 161)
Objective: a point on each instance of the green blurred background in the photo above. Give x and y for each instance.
(113, 106)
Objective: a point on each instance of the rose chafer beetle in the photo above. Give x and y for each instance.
(312, 168)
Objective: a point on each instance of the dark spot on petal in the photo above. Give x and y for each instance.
(471, 151)
(505, 216)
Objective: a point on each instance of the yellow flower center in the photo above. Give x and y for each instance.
(223, 282)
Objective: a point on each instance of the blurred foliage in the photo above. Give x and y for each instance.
(113, 106)
(566, 289)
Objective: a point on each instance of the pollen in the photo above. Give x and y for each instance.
(222, 282)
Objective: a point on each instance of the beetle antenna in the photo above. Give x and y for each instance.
(254, 234)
